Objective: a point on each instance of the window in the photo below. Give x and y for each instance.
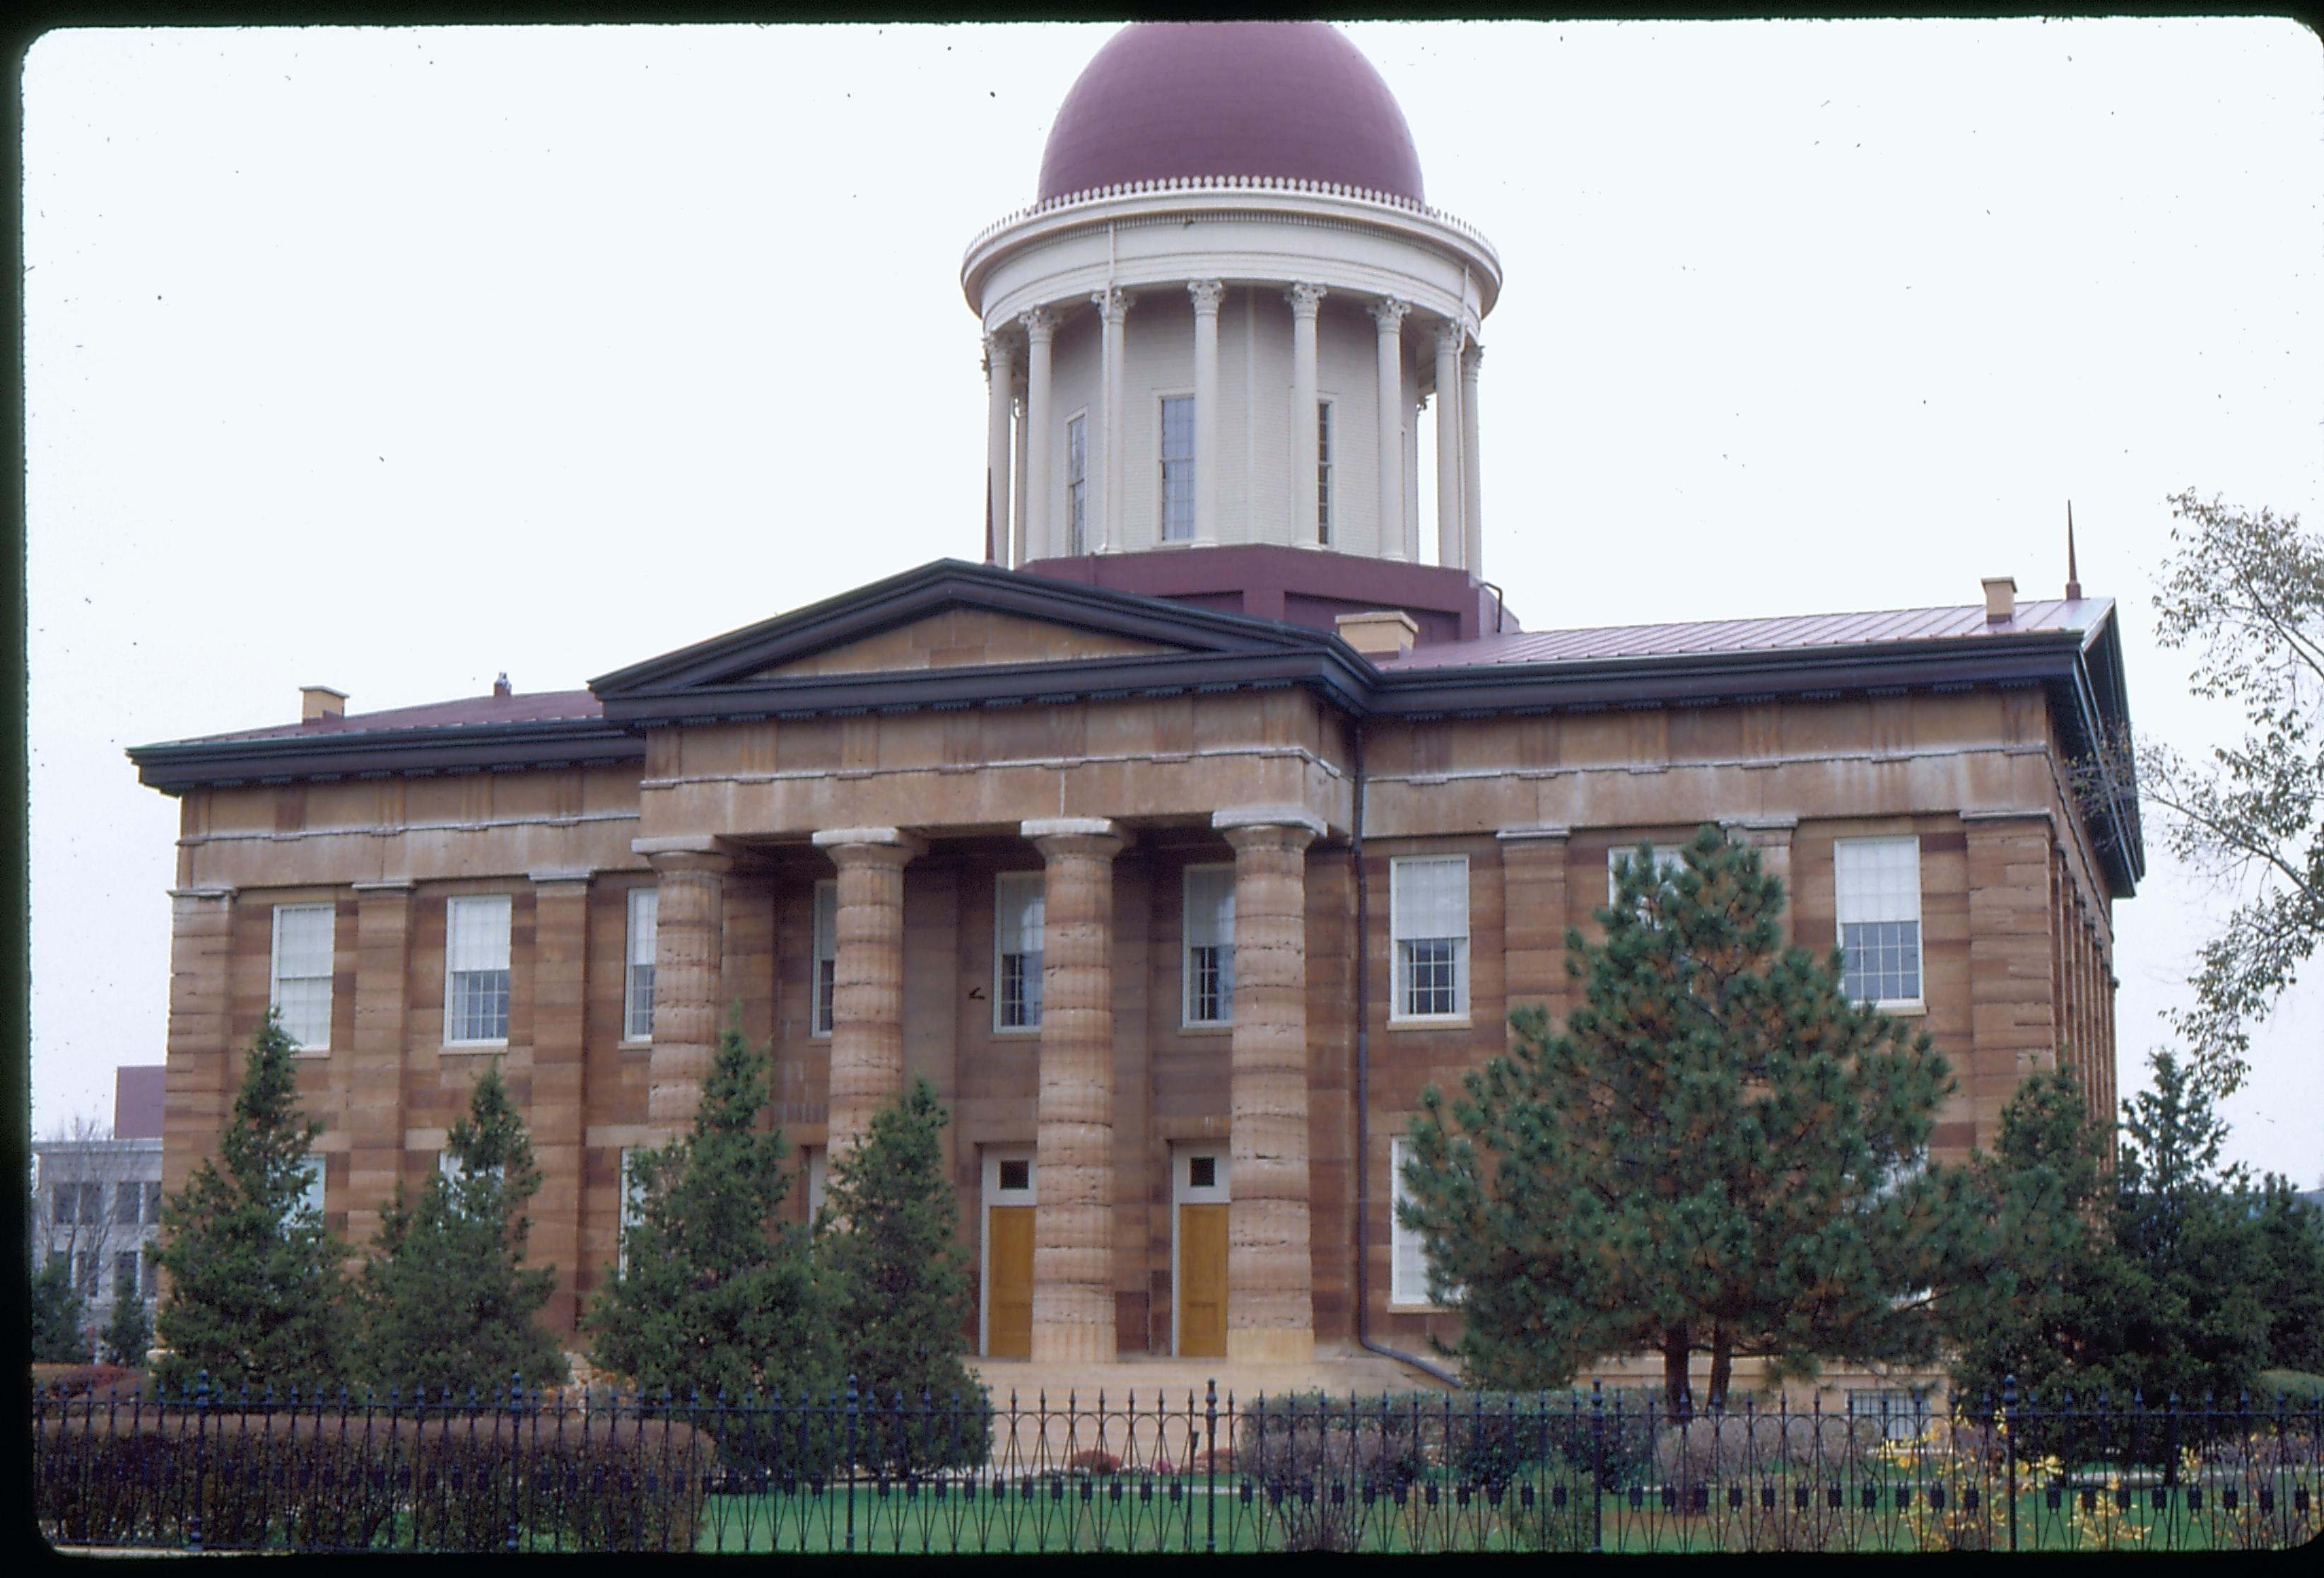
(1409, 1253)
(125, 1274)
(1210, 945)
(127, 1201)
(637, 980)
(1878, 883)
(301, 987)
(1178, 468)
(152, 1202)
(1667, 861)
(87, 1270)
(1077, 486)
(1428, 908)
(1323, 471)
(1017, 949)
(311, 1197)
(476, 969)
(824, 988)
(632, 1213)
(817, 1167)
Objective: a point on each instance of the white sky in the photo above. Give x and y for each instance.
(390, 359)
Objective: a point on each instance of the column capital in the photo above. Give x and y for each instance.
(1055, 835)
(685, 853)
(1233, 820)
(1113, 306)
(1207, 294)
(1449, 339)
(1040, 323)
(846, 845)
(215, 891)
(999, 350)
(1304, 297)
(1540, 832)
(384, 885)
(1388, 313)
(1471, 359)
(551, 876)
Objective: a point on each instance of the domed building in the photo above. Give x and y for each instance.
(1182, 842)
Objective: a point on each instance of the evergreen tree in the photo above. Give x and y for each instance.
(447, 1302)
(897, 1278)
(714, 1294)
(128, 1333)
(2291, 1277)
(1719, 1153)
(56, 1315)
(255, 1293)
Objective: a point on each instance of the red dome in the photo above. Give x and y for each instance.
(1200, 98)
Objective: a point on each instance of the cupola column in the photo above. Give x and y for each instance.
(1472, 514)
(1388, 314)
(1452, 541)
(1307, 508)
(1040, 325)
(1020, 551)
(1000, 377)
(1207, 294)
(1113, 307)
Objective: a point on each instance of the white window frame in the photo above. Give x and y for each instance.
(1163, 459)
(1667, 858)
(1323, 471)
(1003, 884)
(626, 1216)
(275, 977)
(1188, 1017)
(1408, 1262)
(1400, 966)
(311, 1197)
(823, 962)
(1076, 510)
(1841, 899)
(814, 1173)
(479, 903)
(637, 1028)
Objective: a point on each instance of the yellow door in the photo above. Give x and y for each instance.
(1203, 1281)
(1008, 1301)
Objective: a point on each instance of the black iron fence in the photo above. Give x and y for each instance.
(1417, 1472)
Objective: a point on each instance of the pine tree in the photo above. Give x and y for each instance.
(1719, 1153)
(2291, 1277)
(255, 1293)
(447, 1302)
(890, 1258)
(713, 1294)
(128, 1333)
(56, 1315)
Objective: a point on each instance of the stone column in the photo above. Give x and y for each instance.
(1113, 310)
(1306, 506)
(375, 1077)
(1532, 912)
(2013, 1026)
(867, 994)
(1018, 548)
(1388, 314)
(560, 982)
(1040, 326)
(1270, 1275)
(690, 949)
(1073, 1154)
(1000, 377)
(1207, 294)
(1472, 514)
(1452, 538)
(201, 1072)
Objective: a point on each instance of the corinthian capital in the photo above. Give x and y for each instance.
(1449, 336)
(1471, 359)
(1040, 323)
(1113, 306)
(1207, 294)
(1388, 313)
(999, 351)
(1304, 297)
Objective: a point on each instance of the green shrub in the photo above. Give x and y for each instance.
(2297, 1388)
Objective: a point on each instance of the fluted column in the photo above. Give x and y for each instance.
(1113, 309)
(690, 947)
(1473, 512)
(1270, 1279)
(867, 993)
(1207, 294)
(1388, 314)
(1000, 377)
(1041, 326)
(1452, 541)
(1073, 1154)
(1306, 507)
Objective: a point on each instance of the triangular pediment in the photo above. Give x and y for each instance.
(962, 638)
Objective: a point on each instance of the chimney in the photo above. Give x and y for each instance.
(501, 684)
(320, 701)
(1381, 632)
(2000, 599)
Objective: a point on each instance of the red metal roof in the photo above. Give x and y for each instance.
(539, 707)
(1966, 624)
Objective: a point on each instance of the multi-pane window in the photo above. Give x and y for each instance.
(633, 1206)
(1077, 486)
(125, 1274)
(152, 1202)
(77, 1205)
(301, 987)
(1408, 1251)
(1178, 468)
(1323, 471)
(1016, 950)
(128, 1203)
(1878, 905)
(311, 1197)
(1669, 863)
(1428, 921)
(476, 968)
(87, 1269)
(1210, 945)
(825, 991)
(638, 978)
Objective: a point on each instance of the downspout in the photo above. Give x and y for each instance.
(1363, 1088)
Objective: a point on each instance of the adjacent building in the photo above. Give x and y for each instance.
(96, 1200)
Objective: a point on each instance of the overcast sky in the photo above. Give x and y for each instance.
(393, 359)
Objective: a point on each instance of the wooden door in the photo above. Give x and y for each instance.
(1203, 1281)
(1008, 1300)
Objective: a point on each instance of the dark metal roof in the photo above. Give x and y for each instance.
(465, 712)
